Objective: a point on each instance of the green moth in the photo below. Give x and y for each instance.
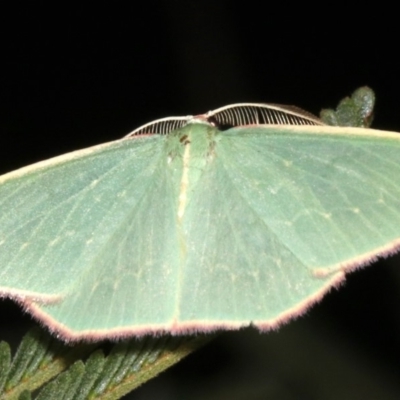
(242, 216)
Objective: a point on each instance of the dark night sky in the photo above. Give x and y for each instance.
(81, 75)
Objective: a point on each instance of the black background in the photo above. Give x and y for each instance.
(77, 75)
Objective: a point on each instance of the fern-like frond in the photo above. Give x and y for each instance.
(128, 365)
(41, 358)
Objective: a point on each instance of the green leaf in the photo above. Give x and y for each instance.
(356, 111)
(5, 362)
(38, 359)
(128, 365)
(25, 395)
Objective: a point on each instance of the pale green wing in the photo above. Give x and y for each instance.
(100, 221)
(278, 216)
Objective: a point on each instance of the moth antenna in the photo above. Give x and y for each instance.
(161, 126)
(234, 115)
(261, 114)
